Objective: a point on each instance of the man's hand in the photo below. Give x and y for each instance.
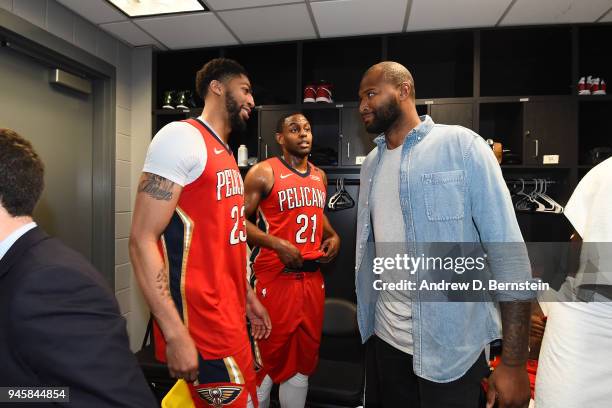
(538, 324)
(261, 325)
(182, 357)
(510, 385)
(288, 253)
(330, 246)
(536, 334)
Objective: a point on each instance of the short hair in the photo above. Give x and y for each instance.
(281, 121)
(395, 74)
(219, 69)
(21, 174)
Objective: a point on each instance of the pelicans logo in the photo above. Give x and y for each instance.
(220, 396)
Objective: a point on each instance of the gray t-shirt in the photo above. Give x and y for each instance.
(393, 309)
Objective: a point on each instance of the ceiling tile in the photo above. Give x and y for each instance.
(280, 23)
(96, 11)
(128, 32)
(187, 30)
(444, 14)
(555, 11)
(232, 4)
(357, 17)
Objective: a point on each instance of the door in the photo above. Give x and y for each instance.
(59, 124)
(356, 141)
(549, 130)
(461, 114)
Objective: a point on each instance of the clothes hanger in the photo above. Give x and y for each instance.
(341, 199)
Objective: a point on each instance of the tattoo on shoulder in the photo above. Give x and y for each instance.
(156, 187)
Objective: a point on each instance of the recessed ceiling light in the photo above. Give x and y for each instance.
(140, 8)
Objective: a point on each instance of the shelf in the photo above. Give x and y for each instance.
(177, 112)
(272, 70)
(440, 62)
(518, 61)
(342, 62)
(179, 68)
(594, 52)
(307, 106)
(594, 128)
(522, 98)
(594, 98)
(534, 167)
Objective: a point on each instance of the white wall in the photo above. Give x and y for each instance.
(133, 129)
(140, 138)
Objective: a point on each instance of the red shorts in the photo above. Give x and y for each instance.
(225, 382)
(295, 302)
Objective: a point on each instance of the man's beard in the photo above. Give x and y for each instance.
(384, 117)
(237, 124)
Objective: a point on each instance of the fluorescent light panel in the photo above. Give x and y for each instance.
(140, 8)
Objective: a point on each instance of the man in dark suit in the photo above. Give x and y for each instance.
(59, 322)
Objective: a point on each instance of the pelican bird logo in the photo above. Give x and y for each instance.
(220, 396)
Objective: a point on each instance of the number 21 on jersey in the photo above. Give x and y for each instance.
(301, 236)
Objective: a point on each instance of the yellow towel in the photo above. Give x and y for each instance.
(178, 397)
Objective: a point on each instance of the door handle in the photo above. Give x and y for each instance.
(348, 149)
(537, 148)
(266, 150)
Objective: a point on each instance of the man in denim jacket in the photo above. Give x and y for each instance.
(428, 183)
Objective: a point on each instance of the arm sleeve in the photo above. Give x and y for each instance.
(494, 217)
(67, 328)
(177, 153)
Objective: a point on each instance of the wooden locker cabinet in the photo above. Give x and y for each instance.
(548, 127)
(461, 114)
(356, 141)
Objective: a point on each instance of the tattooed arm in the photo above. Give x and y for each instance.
(156, 201)
(515, 325)
(509, 383)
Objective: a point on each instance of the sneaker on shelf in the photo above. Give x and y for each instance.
(582, 87)
(168, 100)
(310, 93)
(595, 86)
(184, 100)
(324, 93)
(589, 84)
(602, 88)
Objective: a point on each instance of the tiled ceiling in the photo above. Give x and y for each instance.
(232, 22)
(556, 11)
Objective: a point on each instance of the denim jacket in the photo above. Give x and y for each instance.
(451, 190)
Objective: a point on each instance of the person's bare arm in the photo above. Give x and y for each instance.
(509, 374)
(261, 324)
(258, 182)
(156, 201)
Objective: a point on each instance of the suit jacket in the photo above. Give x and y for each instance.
(60, 326)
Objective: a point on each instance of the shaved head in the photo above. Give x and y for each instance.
(393, 73)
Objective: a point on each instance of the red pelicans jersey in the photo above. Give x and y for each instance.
(293, 210)
(204, 248)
